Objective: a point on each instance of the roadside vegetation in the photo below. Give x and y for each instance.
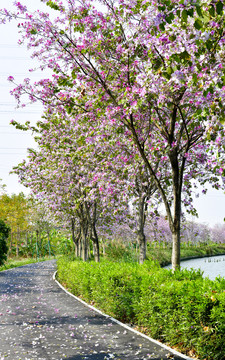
(16, 262)
(4, 232)
(182, 309)
(163, 255)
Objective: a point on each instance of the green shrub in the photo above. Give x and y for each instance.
(182, 309)
(4, 232)
(118, 251)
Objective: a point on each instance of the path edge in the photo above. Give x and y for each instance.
(120, 323)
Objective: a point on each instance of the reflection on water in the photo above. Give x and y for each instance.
(211, 266)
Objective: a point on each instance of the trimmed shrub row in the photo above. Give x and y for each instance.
(183, 309)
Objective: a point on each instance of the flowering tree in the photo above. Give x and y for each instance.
(151, 70)
(73, 184)
(218, 233)
(87, 187)
(158, 229)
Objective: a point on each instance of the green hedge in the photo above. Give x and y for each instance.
(182, 309)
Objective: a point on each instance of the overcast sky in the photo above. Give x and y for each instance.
(15, 61)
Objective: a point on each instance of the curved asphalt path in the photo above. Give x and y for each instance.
(39, 320)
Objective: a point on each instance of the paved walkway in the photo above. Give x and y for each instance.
(38, 320)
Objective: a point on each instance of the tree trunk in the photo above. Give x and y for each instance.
(103, 247)
(92, 218)
(80, 248)
(175, 229)
(142, 247)
(95, 238)
(77, 249)
(176, 250)
(141, 238)
(95, 244)
(75, 239)
(96, 252)
(84, 244)
(175, 223)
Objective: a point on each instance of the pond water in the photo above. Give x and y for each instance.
(211, 266)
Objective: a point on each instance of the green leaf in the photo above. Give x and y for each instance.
(219, 8)
(74, 74)
(33, 31)
(184, 55)
(199, 11)
(175, 58)
(209, 44)
(169, 70)
(169, 18)
(166, 75)
(191, 12)
(209, 90)
(195, 78)
(53, 5)
(172, 37)
(184, 15)
(198, 24)
(212, 10)
(161, 8)
(162, 26)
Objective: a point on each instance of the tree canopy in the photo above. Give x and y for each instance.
(148, 74)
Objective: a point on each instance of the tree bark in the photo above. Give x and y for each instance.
(103, 247)
(96, 244)
(92, 219)
(142, 247)
(140, 231)
(84, 243)
(177, 176)
(176, 250)
(96, 252)
(75, 239)
(95, 235)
